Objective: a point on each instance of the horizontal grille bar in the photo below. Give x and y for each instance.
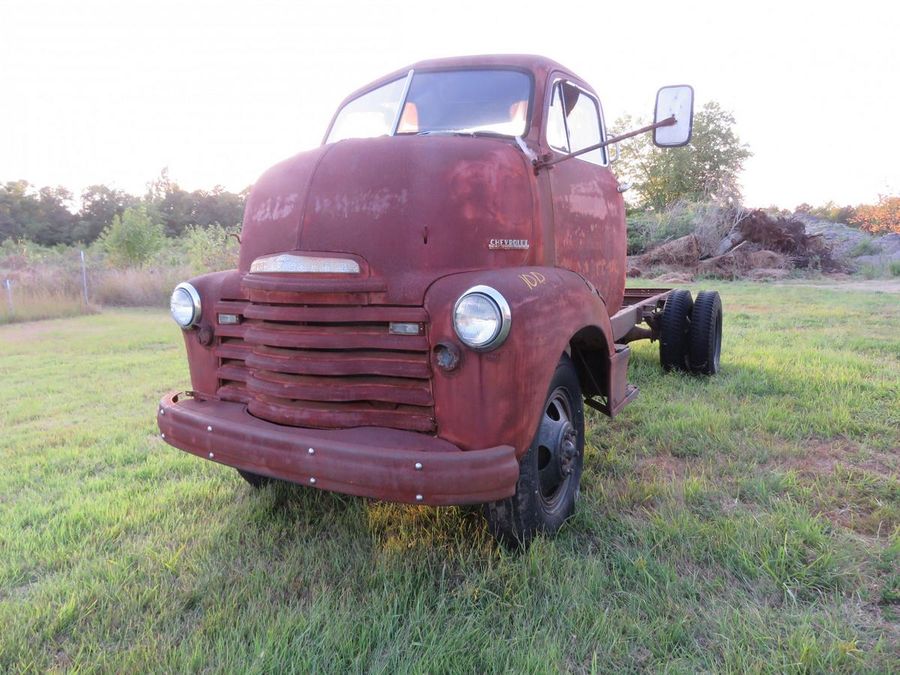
(325, 314)
(233, 392)
(333, 415)
(336, 363)
(331, 337)
(233, 349)
(316, 388)
(234, 372)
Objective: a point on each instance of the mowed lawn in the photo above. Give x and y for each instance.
(750, 522)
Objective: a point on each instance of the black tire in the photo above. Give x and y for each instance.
(255, 480)
(674, 331)
(549, 473)
(706, 333)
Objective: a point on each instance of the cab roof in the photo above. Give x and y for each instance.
(540, 66)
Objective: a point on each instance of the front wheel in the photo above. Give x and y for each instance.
(550, 472)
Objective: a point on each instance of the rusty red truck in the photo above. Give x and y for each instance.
(424, 304)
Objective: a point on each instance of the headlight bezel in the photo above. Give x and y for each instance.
(194, 297)
(503, 311)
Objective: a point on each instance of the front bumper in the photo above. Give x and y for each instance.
(387, 464)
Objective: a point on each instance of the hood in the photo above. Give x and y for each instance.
(415, 208)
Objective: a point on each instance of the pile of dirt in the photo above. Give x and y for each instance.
(758, 246)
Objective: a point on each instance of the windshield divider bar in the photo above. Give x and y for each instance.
(396, 124)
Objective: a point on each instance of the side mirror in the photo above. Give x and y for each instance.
(677, 100)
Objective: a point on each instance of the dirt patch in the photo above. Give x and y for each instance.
(822, 457)
(661, 466)
(852, 487)
(767, 274)
(675, 278)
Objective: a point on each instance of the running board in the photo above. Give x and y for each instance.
(620, 392)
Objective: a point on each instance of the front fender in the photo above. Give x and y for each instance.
(202, 361)
(497, 397)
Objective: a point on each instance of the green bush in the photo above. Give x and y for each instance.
(864, 247)
(133, 238)
(211, 249)
(895, 268)
(710, 221)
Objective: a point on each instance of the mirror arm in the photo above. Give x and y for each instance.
(668, 122)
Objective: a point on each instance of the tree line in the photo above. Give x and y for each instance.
(706, 170)
(51, 215)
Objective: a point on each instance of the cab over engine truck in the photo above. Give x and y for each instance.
(424, 304)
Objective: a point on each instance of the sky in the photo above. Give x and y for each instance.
(107, 92)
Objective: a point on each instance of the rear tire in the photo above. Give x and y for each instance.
(550, 472)
(674, 331)
(706, 333)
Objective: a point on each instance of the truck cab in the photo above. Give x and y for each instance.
(424, 303)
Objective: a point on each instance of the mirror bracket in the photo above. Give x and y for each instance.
(546, 162)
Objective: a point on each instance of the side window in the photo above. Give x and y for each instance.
(583, 122)
(556, 122)
(573, 122)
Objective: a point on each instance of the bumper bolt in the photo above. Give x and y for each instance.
(162, 435)
(311, 451)
(418, 466)
(211, 455)
(419, 498)
(209, 428)
(312, 481)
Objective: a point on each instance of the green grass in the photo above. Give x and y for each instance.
(750, 522)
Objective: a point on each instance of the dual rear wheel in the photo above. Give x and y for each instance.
(691, 332)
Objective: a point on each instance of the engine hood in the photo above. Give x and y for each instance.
(415, 208)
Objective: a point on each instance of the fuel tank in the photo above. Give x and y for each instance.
(414, 207)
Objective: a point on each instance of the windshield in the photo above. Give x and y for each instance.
(448, 101)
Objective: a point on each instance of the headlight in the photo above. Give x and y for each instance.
(481, 318)
(185, 305)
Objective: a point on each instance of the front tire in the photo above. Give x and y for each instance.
(550, 471)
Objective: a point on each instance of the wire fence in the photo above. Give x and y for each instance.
(67, 283)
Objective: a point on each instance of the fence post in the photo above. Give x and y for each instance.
(8, 284)
(84, 278)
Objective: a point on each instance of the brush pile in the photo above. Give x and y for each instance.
(757, 246)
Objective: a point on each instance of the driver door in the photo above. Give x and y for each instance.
(588, 210)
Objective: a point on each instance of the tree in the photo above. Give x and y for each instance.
(18, 208)
(177, 208)
(132, 238)
(99, 205)
(43, 216)
(705, 169)
(881, 218)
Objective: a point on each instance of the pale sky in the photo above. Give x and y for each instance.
(94, 91)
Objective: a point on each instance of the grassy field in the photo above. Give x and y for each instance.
(746, 523)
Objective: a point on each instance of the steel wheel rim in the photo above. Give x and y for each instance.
(557, 449)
